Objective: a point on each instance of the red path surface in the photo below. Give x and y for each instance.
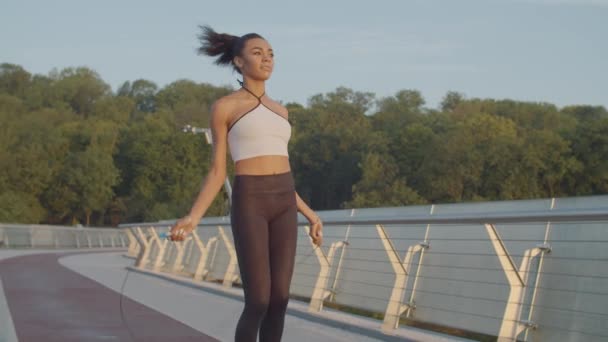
(49, 302)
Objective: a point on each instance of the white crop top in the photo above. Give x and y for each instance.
(260, 131)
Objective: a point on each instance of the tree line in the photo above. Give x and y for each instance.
(73, 150)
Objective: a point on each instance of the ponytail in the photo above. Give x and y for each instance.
(224, 45)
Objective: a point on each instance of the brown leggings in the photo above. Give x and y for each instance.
(264, 227)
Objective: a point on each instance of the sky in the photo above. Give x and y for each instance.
(552, 51)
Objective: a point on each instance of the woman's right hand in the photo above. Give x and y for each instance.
(181, 228)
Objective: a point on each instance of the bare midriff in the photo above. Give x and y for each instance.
(262, 165)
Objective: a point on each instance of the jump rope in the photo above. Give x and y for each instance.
(167, 236)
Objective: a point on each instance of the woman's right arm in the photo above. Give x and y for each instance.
(218, 122)
(217, 173)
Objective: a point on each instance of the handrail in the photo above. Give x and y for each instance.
(496, 217)
(57, 227)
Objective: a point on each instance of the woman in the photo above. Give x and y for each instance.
(264, 201)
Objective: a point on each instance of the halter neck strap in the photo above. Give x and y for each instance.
(258, 97)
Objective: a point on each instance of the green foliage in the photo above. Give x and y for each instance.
(329, 141)
(20, 207)
(73, 151)
(380, 185)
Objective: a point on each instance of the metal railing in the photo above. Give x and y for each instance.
(50, 236)
(534, 270)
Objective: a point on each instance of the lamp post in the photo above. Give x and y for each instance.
(207, 133)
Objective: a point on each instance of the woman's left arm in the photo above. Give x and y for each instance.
(305, 209)
(316, 225)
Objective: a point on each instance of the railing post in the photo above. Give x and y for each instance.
(133, 245)
(424, 245)
(230, 276)
(512, 325)
(201, 270)
(6, 242)
(396, 307)
(332, 296)
(162, 248)
(144, 250)
(545, 248)
(189, 249)
(320, 293)
(178, 264)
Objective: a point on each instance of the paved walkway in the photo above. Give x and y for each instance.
(49, 302)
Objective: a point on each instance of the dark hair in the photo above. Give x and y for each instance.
(225, 45)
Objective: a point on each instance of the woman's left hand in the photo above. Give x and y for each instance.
(316, 230)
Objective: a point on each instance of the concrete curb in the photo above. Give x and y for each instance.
(334, 318)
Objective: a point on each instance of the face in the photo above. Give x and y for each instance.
(256, 60)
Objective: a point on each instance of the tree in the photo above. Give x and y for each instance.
(14, 80)
(80, 88)
(380, 184)
(451, 100)
(72, 150)
(328, 144)
(143, 92)
(84, 182)
(457, 162)
(590, 148)
(189, 102)
(162, 170)
(396, 112)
